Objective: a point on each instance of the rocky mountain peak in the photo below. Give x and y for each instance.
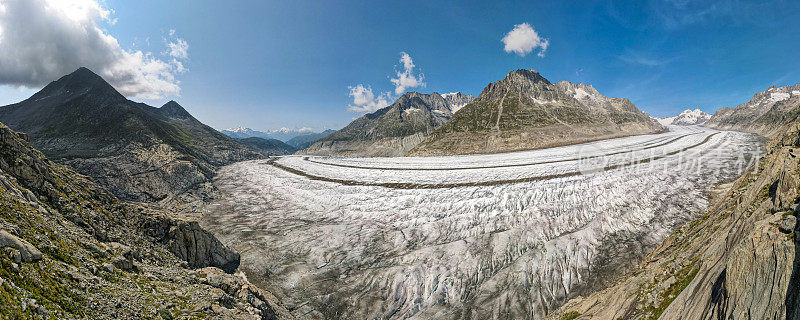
(80, 81)
(412, 101)
(174, 110)
(529, 74)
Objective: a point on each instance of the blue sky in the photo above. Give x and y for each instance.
(272, 64)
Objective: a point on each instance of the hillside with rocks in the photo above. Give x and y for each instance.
(393, 130)
(306, 140)
(737, 261)
(267, 147)
(525, 111)
(764, 113)
(138, 152)
(69, 249)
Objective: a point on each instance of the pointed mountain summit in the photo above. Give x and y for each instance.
(390, 131)
(80, 82)
(525, 111)
(173, 110)
(82, 121)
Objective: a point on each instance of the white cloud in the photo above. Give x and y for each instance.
(52, 38)
(178, 48)
(523, 39)
(406, 78)
(364, 100)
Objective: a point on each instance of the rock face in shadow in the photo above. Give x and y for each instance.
(393, 130)
(738, 261)
(137, 151)
(69, 249)
(525, 111)
(198, 247)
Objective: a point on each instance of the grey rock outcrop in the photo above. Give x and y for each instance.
(200, 248)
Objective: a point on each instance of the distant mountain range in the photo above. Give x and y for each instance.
(525, 111)
(282, 134)
(686, 118)
(137, 151)
(393, 130)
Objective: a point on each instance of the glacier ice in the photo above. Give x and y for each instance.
(488, 250)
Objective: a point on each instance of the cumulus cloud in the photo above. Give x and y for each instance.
(52, 38)
(364, 100)
(523, 39)
(406, 78)
(178, 48)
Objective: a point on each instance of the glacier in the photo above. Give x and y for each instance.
(489, 236)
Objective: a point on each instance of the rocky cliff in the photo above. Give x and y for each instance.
(525, 111)
(137, 151)
(71, 250)
(393, 130)
(739, 260)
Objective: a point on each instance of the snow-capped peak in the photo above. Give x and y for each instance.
(687, 118)
(457, 100)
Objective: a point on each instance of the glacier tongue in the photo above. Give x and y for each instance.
(331, 244)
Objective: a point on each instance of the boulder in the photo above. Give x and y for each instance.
(27, 251)
(787, 224)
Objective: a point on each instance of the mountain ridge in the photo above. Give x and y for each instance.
(112, 139)
(392, 130)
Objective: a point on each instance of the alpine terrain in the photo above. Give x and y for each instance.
(739, 259)
(525, 111)
(393, 130)
(69, 249)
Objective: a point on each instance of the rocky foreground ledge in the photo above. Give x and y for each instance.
(70, 249)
